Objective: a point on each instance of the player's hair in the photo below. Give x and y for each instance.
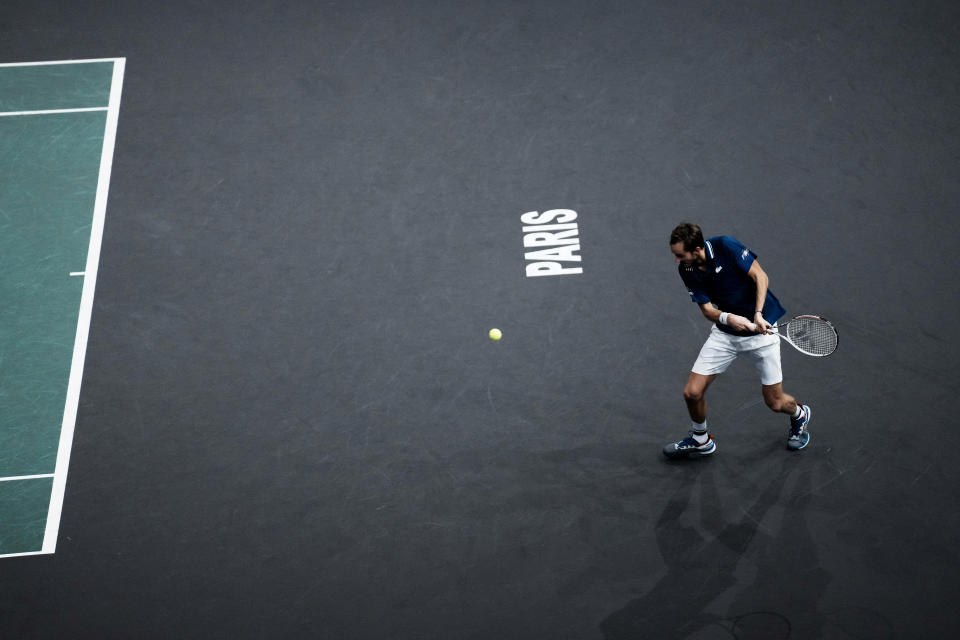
(689, 234)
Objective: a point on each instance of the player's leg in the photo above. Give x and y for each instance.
(698, 442)
(695, 395)
(777, 400)
(771, 377)
(715, 356)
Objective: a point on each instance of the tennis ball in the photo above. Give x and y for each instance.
(495, 334)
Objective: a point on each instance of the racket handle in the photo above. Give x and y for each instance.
(753, 327)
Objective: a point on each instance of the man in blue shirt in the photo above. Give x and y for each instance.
(724, 278)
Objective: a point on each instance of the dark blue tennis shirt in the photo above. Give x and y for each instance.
(726, 284)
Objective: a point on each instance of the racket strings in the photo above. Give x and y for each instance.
(812, 335)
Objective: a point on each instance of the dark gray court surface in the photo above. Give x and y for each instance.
(292, 423)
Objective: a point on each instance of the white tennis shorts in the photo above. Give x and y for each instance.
(721, 349)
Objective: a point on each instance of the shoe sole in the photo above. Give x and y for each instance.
(693, 453)
(797, 448)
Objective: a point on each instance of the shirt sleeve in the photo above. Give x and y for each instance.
(697, 294)
(737, 253)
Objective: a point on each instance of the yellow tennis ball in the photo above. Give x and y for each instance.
(495, 334)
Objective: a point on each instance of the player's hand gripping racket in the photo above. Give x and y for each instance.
(810, 335)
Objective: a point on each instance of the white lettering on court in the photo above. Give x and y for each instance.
(552, 239)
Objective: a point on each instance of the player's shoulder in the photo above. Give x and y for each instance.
(725, 241)
(726, 246)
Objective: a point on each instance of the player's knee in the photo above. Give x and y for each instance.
(774, 403)
(692, 394)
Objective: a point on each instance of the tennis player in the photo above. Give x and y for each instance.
(725, 279)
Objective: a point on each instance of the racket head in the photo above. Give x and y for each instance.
(811, 335)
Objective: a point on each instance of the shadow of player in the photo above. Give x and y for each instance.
(702, 563)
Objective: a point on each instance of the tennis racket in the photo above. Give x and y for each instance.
(810, 335)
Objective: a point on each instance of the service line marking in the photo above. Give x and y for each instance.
(35, 477)
(45, 63)
(46, 112)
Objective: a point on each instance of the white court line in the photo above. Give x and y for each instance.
(77, 273)
(36, 477)
(27, 553)
(51, 62)
(45, 112)
(86, 309)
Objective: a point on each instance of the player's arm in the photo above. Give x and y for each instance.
(759, 277)
(734, 321)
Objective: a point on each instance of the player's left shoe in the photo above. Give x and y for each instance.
(690, 448)
(799, 435)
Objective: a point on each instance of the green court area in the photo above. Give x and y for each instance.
(53, 127)
(46, 87)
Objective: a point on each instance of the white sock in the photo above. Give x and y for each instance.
(700, 432)
(798, 412)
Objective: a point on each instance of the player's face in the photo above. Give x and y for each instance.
(687, 258)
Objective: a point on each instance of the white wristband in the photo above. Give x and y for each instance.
(723, 317)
